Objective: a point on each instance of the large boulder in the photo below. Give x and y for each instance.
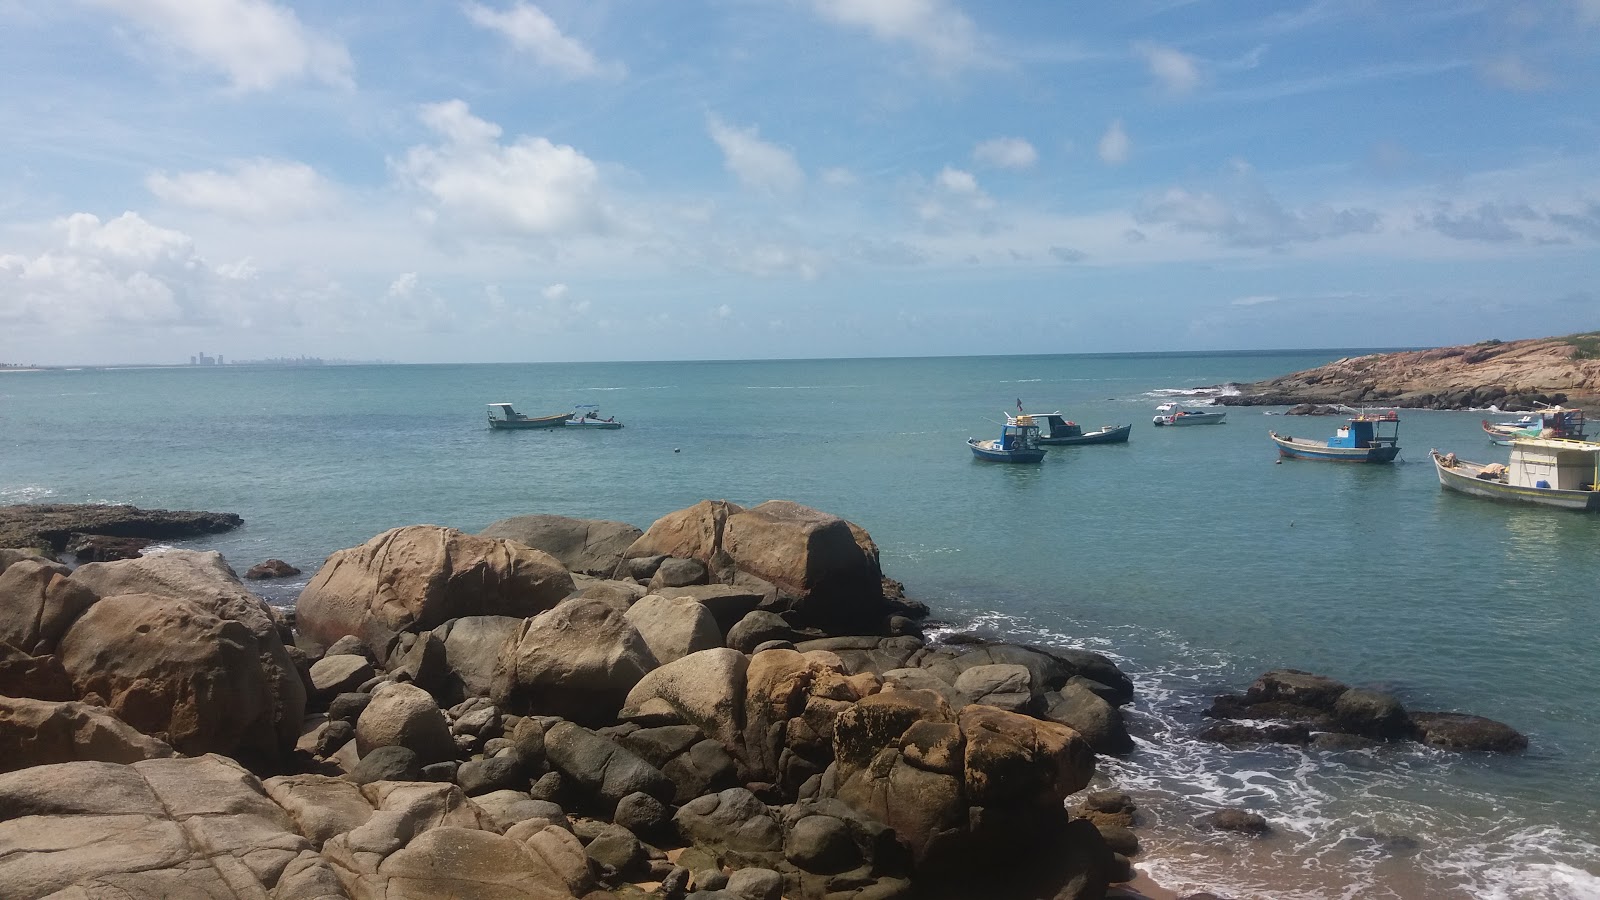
(577, 661)
(40, 733)
(706, 689)
(160, 828)
(205, 578)
(601, 770)
(812, 556)
(173, 670)
(418, 577)
(38, 603)
(472, 646)
(674, 627)
(589, 546)
(692, 533)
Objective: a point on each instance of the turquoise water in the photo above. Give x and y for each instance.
(1188, 553)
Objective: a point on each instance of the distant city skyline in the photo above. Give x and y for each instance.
(507, 181)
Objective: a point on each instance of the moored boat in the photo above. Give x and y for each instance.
(1550, 422)
(1366, 438)
(511, 419)
(1173, 414)
(1058, 431)
(588, 416)
(1018, 442)
(1557, 472)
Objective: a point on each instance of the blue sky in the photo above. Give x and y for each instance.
(676, 179)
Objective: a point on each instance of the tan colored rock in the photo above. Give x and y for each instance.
(693, 533)
(707, 689)
(1014, 759)
(674, 627)
(416, 578)
(322, 806)
(404, 715)
(589, 546)
(172, 670)
(38, 603)
(205, 578)
(577, 661)
(803, 551)
(38, 733)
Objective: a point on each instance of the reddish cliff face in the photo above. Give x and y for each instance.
(1511, 375)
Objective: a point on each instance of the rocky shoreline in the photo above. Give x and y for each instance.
(734, 704)
(1509, 375)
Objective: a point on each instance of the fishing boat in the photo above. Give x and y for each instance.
(1173, 414)
(1550, 422)
(587, 415)
(510, 418)
(1372, 438)
(1558, 472)
(1057, 431)
(1018, 442)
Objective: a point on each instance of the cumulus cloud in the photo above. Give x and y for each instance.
(756, 163)
(1493, 223)
(529, 186)
(1243, 213)
(255, 189)
(935, 27)
(256, 43)
(530, 30)
(1509, 71)
(1006, 153)
(1177, 72)
(1068, 254)
(122, 272)
(957, 181)
(554, 291)
(1115, 145)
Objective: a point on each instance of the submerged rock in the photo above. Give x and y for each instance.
(53, 525)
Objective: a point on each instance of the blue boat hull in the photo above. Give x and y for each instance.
(1009, 456)
(1118, 435)
(1292, 449)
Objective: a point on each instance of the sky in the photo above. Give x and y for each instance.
(506, 181)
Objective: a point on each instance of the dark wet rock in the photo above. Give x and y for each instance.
(759, 627)
(1336, 742)
(1237, 706)
(1085, 711)
(673, 572)
(272, 568)
(1459, 731)
(333, 735)
(601, 770)
(1296, 687)
(1236, 820)
(483, 776)
(1120, 838)
(821, 844)
(618, 854)
(642, 814)
(387, 764)
(1312, 409)
(1372, 714)
(52, 525)
(348, 707)
(1233, 735)
(105, 547)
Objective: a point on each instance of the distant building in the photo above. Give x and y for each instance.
(204, 360)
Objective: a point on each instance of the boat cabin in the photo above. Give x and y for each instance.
(1057, 426)
(1367, 431)
(1019, 433)
(1547, 463)
(507, 414)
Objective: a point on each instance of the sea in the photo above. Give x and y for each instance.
(1190, 555)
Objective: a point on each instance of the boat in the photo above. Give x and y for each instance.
(1550, 422)
(1057, 431)
(1559, 472)
(510, 418)
(1018, 442)
(1173, 414)
(588, 416)
(1365, 439)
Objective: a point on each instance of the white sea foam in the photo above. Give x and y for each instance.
(25, 493)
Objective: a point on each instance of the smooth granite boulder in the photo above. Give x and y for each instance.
(810, 555)
(404, 715)
(1087, 713)
(707, 689)
(472, 646)
(173, 670)
(39, 733)
(588, 546)
(206, 579)
(601, 770)
(577, 661)
(418, 577)
(674, 627)
(38, 603)
(692, 533)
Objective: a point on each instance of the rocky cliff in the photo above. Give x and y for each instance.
(1511, 375)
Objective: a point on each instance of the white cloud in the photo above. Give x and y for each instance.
(838, 177)
(554, 291)
(935, 27)
(723, 312)
(258, 44)
(529, 186)
(1253, 300)
(1512, 73)
(1115, 146)
(253, 190)
(529, 29)
(1006, 153)
(1177, 72)
(957, 181)
(756, 163)
(1241, 212)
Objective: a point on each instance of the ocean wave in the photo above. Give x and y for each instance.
(25, 493)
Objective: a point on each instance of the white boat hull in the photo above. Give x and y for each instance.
(1463, 477)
